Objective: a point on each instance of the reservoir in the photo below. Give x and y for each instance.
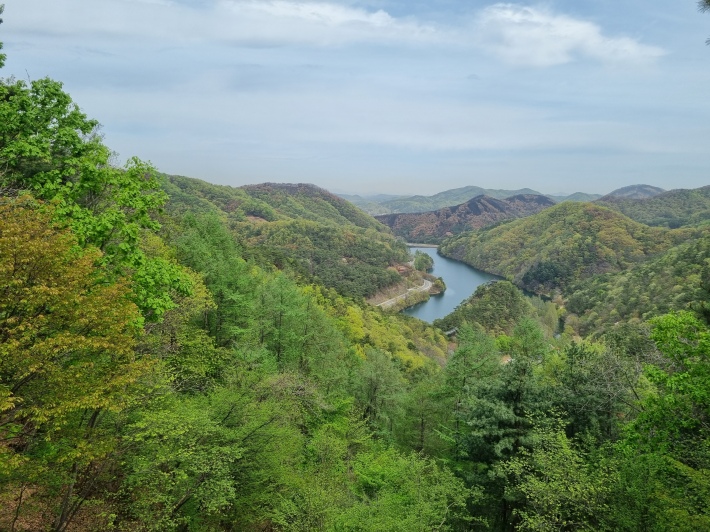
(461, 281)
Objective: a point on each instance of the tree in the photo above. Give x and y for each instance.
(2, 56)
(66, 360)
(49, 148)
(703, 5)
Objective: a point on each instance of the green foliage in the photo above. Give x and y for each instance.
(66, 362)
(403, 493)
(673, 281)
(496, 306)
(566, 243)
(423, 261)
(675, 208)
(49, 148)
(302, 228)
(664, 461)
(556, 487)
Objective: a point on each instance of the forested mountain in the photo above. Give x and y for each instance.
(675, 208)
(323, 237)
(634, 192)
(384, 204)
(481, 211)
(577, 196)
(440, 200)
(571, 241)
(171, 360)
(370, 204)
(676, 280)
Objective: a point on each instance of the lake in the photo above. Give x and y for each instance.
(461, 281)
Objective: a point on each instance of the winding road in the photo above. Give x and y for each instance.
(391, 302)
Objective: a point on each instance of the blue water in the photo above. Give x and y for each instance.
(461, 281)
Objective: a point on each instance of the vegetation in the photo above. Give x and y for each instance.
(481, 211)
(571, 241)
(423, 261)
(303, 228)
(675, 208)
(171, 359)
(673, 281)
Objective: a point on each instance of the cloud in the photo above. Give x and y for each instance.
(537, 37)
(240, 22)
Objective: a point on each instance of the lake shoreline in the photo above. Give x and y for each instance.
(461, 282)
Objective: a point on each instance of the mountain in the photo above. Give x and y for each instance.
(446, 198)
(370, 204)
(323, 237)
(577, 196)
(675, 208)
(635, 192)
(481, 211)
(675, 280)
(570, 241)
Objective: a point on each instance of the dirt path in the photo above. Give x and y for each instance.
(391, 302)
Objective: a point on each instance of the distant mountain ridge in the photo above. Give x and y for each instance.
(448, 198)
(675, 208)
(566, 243)
(385, 204)
(634, 192)
(482, 211)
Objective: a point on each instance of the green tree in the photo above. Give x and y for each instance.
(48, 147)
(67, 361)
(423, 261)
(557, 487)
(2, 56)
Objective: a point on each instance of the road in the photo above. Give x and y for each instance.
(391, 302)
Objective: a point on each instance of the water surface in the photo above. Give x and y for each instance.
(461, 281)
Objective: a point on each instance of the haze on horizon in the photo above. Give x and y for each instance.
(385, 96)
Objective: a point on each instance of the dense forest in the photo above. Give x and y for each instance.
(176, 355)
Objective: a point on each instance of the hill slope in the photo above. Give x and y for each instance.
(447, 198)
(675, 208)
(551, 249)
(481, 211)
(635, 192)
(676, 279)
(322, 237)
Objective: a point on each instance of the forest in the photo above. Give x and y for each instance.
(176, 355)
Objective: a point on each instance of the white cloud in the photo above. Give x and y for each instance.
(271, 22)
(537, 37)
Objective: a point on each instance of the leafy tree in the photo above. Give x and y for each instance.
(559, 490)
(2, 56)
(66, 360)
(403, 493)
(423, 261)
(664, 461)
(49, 148)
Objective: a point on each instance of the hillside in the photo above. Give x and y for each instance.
(372, 205)
(447, 198)
(577, 196)
(170, 360)
(557, 246)
(481, 211)
(675, 208)
(675, 280)
(635, 192)
(322, 237)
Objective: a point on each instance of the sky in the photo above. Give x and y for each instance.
(385, 96)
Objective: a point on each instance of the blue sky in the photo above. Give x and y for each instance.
(407, 97)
